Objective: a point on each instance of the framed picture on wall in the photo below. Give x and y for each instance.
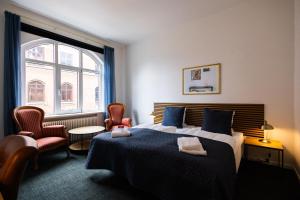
(205, 79)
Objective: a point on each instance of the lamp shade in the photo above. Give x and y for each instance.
(267, 126)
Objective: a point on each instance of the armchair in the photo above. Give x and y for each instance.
(29, 119)
(116, 112)
(15, 152)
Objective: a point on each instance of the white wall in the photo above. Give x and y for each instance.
(297, 84)
(45, 23)
(254, 43)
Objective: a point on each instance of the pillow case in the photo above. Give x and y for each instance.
(173, 116)
(217, 121)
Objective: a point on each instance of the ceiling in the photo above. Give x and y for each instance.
(125, 21)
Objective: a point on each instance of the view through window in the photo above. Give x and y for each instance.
(60, 78)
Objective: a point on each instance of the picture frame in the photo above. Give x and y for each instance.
(204, 79)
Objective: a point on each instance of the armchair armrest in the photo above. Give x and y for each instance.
(126, 122)
(55, 131)
(26, 133)
(108, 124)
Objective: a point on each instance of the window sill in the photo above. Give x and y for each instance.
(72, 116)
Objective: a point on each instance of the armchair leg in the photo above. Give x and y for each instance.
(35, 162)
(67, 151)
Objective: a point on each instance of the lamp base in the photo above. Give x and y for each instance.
(264, 141)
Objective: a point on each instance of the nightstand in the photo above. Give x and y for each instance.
(274, 145)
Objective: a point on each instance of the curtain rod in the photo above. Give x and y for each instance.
(61, 38)
(60, 29)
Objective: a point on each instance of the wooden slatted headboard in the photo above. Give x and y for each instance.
(248, 118)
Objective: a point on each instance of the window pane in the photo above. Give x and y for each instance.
(39, 86)
(68, 56)
(69, 90)
(36, 91)
(92, 97)
(88, 62)
(42, 52)
(66, 92)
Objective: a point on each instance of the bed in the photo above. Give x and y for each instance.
(149, 159)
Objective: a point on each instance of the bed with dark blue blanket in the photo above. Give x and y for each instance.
(150, 161)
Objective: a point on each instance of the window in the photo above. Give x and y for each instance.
(43, 52)
(36, 53)
(36, 91)
(66, 92)
(60, 78)
(68, 55)
(96, 94)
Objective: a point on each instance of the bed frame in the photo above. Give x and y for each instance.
(248, 118)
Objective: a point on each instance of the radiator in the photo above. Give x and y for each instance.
(70, 123)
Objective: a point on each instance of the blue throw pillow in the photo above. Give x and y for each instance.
(217, 121)
(173, 116)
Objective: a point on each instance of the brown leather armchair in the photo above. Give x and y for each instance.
(30, 122)
(15, 152)
(116, 112)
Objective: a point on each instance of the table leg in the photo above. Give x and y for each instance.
(246, 152)
(282, 160)
(81, 145)
(279, 158)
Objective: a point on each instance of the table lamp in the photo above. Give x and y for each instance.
(152, 115)
(266, 128)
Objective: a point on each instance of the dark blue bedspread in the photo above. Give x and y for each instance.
(150, 161)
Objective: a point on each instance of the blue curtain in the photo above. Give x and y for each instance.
(12, 70)
(109, 76)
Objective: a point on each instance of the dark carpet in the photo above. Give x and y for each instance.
(64, 178)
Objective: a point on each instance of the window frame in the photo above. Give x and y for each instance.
(57, 68)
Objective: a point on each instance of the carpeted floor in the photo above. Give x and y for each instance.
(60, 178)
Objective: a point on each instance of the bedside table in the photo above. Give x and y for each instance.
(274, 145)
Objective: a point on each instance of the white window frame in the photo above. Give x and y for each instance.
(57, 74)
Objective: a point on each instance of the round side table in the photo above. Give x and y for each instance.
(83, 144)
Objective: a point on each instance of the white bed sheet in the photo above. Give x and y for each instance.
(235, 141)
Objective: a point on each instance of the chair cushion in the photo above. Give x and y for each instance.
(50, 142)
(31, 120)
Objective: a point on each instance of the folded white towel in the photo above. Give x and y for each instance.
(190, 145)
(120, 132)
